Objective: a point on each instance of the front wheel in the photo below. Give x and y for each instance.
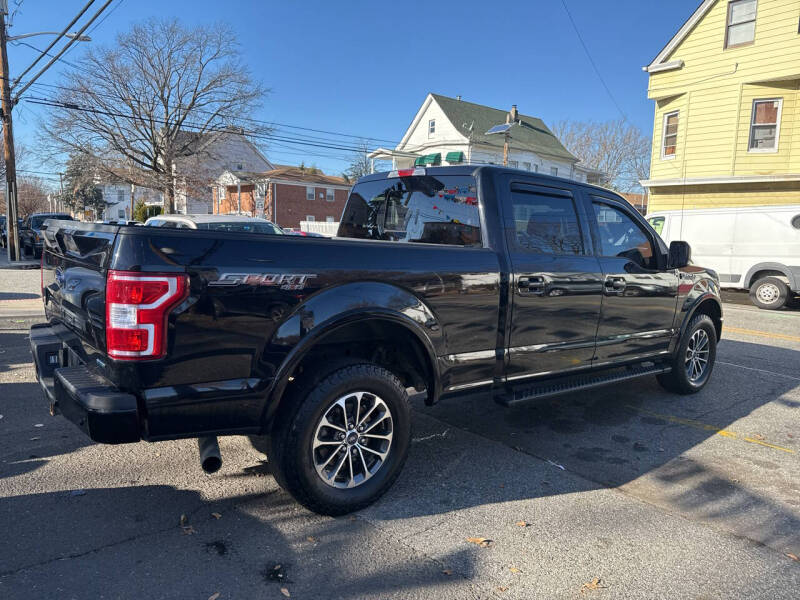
(340, 445)
(694, 358)
(770, 293)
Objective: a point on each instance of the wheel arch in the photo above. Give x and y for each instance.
(767, 269)
(707, 304)
(400, 335)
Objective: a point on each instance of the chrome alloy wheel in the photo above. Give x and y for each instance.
(697, 352)
(768, 293)
(352, 440)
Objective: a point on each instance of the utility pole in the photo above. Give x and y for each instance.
(8, 145)
(506, 138)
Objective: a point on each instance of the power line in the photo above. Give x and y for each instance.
(189, 126)
(274, 124)
(78, 34)
(55, 41)
(591, 60)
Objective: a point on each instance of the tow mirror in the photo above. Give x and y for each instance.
(680, 255)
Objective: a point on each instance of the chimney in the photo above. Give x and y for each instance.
(514, 115)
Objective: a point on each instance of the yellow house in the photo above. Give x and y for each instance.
(727, 108)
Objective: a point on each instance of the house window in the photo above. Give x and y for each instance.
(329, 220)
(120, 195)
(310, 218)
(669, 137)
(513, 164)
(741, 28)
(309, 193)
(431, 127)
(526, 166)
(765, 125)
(220, 194)
(121, 213)
(330, 195)
(554, 171)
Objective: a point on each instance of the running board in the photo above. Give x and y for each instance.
(533, 390)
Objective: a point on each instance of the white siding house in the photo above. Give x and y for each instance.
(451, 131)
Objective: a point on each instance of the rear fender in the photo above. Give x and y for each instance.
(336, 307)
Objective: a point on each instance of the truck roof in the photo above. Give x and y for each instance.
(499, 169)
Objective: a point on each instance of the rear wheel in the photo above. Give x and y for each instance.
(340, 445)
(770, 293)
(694, 358)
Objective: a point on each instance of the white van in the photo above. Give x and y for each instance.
(755, 247)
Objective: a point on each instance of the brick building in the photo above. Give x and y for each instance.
(285, 195)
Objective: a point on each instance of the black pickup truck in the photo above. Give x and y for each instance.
(450, 280)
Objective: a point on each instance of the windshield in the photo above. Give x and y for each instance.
(243, 227)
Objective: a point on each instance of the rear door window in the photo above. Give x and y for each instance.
(545, 223)
(423, 209)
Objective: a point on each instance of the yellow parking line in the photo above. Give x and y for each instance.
(779, 336)
(705, 427)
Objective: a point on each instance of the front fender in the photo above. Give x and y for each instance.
(341, 305)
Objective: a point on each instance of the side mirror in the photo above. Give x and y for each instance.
(680, 255)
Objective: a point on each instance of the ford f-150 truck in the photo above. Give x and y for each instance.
(450, 280)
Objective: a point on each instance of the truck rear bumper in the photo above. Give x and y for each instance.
(90, 401)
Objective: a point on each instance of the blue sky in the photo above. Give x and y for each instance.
(364, 68)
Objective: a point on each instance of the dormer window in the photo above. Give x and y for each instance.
(741, 27)
(431, 128)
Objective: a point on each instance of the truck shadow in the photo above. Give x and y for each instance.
(637, 437)
(245, 546)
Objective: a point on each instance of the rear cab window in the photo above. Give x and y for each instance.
(422, 208)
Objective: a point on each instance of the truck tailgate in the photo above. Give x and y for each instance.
(75, 261)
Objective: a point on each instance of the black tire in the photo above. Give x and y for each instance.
(678, 380)
(290, 450)
(770, 293)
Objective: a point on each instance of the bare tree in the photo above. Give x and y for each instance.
(32, 195)
(359, 162)
(141, 105)
(617, 148)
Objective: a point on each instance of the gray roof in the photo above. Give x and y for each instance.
(530, 133)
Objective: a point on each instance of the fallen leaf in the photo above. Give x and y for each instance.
(216, 515)
(793, 556)
(214, 596)
(501, 588)
(285, 592)
(594, 584)
(514, 570)
(522, 524)
(758, 436)
(158, 454)
(311, 539)
(276, 568)
(447, 571)
(479, 541)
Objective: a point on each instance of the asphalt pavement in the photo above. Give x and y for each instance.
(622, 492)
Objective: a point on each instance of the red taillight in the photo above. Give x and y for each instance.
(137, 307)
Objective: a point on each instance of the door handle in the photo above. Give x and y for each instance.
(615, 285)
(531, 285)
